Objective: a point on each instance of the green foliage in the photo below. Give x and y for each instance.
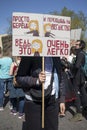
(78, 20)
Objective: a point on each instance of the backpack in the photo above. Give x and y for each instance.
(84, 67)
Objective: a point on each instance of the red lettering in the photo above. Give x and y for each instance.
(20, 25)
(49, 51)
(66, 52)
(61, 52)
(24, 51)
(66, 45)
(53, 51)
(21, 18)
(20, 50)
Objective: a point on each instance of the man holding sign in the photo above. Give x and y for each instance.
(31, 77)
(39, 73)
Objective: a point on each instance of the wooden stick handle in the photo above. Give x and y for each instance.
(43, 95)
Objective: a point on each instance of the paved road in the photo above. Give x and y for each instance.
(10, 122)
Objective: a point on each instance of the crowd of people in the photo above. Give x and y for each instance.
(63, 77)
(75, 80)
(8, 68)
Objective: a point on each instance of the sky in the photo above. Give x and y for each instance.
(7, 7)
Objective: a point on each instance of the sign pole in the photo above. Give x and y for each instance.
(43, 95)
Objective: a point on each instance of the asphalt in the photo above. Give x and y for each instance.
(10, 122)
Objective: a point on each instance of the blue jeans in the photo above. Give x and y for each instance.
(1, 93)
(3, 84)
(18, 104)
(21, 105)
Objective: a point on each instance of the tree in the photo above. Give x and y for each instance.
(78, 20)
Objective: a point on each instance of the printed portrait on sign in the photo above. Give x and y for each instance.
(37, 47)
(33, 27)
(47, 30)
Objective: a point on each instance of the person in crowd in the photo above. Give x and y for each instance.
(69, 88)
(16, 95)
(31, 78)
(79, 80)
(5, 78)
(71, 58)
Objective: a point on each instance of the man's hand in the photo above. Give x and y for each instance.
(42, 77)
(62, 109)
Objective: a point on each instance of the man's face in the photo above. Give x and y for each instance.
(77, 45)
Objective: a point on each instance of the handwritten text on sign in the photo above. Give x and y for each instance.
(47, 35)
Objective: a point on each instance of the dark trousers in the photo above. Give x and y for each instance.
(33, 115)
(18, 104)
(84, 97)
(81, 97)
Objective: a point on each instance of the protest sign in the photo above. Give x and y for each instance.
(40, 34)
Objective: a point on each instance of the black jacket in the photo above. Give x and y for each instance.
(28, 73)
(80, 60)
